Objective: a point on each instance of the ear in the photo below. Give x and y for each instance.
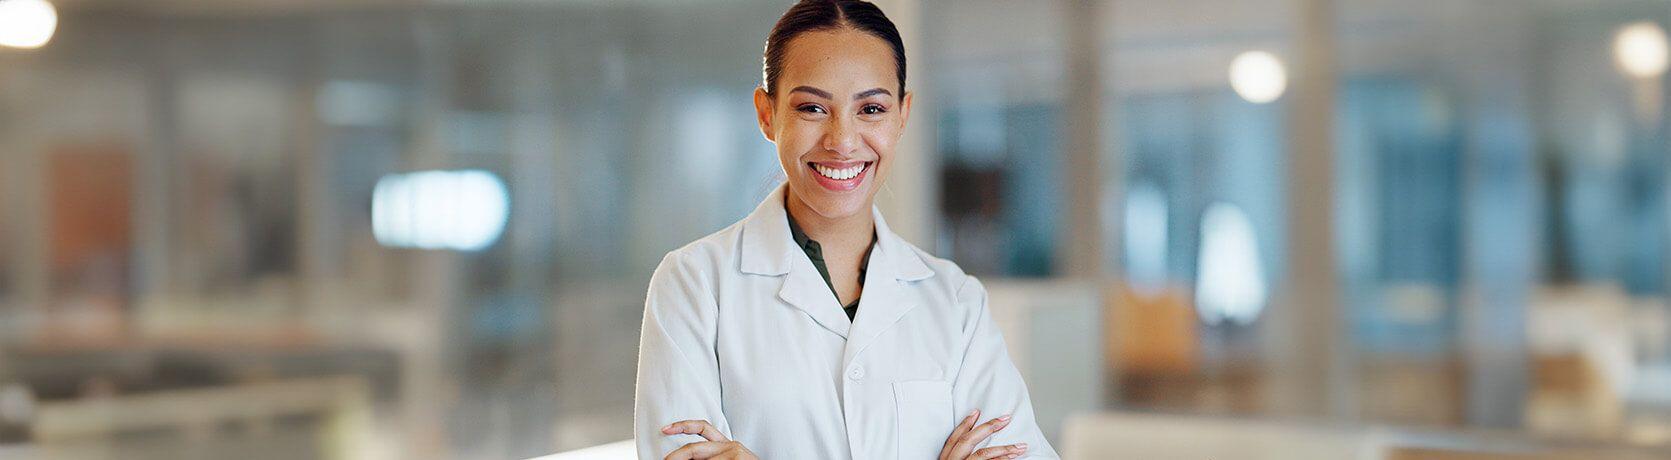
(763, 108)
(904, 112)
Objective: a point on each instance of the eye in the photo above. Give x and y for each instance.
(810, 108)
(872, 109)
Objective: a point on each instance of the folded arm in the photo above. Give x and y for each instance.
(988, 381)
(678, 370)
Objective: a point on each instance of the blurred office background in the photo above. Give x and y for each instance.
(1212, 228)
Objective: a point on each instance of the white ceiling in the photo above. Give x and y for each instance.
(261, 7)
(1158, 44)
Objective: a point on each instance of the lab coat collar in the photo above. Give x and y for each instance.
(768, 248)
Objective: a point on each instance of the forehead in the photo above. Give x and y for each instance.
(838, 60)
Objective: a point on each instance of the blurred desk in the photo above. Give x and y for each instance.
(206, 399)
(338, 400)
(327, 418)
(619, 450)
(70, 372)
(1180, 437)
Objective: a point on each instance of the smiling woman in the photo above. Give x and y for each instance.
(745, 345)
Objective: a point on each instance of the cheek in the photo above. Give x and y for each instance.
(786, 133)
(805, 134)
(794, 140)
(881, 140)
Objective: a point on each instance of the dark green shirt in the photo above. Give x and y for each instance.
(815, 252)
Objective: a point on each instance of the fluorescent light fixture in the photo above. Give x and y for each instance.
(27, 24)
(458, 210)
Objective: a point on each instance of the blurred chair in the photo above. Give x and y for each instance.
(1581, 360)
(1151, 333)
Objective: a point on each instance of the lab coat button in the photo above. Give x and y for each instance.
(858, 373)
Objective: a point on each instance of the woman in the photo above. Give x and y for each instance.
(756, 339)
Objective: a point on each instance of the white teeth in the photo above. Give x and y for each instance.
(839, 174)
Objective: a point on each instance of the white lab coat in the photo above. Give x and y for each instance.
(741, 330)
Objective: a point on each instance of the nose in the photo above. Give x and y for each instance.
(841, 137)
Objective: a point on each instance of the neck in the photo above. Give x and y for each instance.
(843, 235)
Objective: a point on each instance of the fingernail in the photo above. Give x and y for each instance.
(1021, 446)
(973, 413)
(1013, 456)
(1005, 418)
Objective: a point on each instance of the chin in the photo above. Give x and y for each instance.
(834, 205)
(836, 209)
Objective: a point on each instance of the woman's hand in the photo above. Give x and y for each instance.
(961, 444)
(716, 447)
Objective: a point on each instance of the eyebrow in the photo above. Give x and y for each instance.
(812, 91)
(827, 95)
(871, 92)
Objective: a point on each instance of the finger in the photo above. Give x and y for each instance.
(697, 450)
(962, 427)
(980, 433)
(964, 446)
(1009, 451)
(696, 427)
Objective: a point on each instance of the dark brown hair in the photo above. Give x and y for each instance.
(818, 15)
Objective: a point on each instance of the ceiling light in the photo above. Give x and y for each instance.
(1640, 50)
(1258, 76)
(27, 24)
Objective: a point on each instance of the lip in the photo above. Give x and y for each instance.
(840, 185)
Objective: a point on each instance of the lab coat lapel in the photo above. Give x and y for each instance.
(884, 301)
(769, 250)
(804, 288)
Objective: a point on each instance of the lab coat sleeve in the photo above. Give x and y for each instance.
(678, 370)
(989, 381)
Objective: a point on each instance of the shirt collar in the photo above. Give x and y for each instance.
(815, 251)
(811, 246)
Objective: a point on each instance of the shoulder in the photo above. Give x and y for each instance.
(708, 252)
(965, 290)
(696, 263)
(950, 296)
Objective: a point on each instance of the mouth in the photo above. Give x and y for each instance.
(842, 176)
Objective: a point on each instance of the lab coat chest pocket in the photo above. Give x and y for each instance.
(925, 418)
